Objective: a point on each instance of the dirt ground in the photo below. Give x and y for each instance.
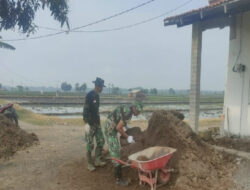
(57, 162)
(37, 167)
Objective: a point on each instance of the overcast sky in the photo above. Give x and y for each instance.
(149, 55)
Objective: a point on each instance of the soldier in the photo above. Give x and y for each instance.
(115, 122)
(93, 128)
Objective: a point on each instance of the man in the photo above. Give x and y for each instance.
(93, 128)
(116, 122)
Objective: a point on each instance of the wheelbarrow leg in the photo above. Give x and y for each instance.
(156, 176)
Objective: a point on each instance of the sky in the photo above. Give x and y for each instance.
(149, 55)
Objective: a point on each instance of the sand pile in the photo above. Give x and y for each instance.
(13, 138)
(198, 166)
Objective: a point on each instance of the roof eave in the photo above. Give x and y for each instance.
(225, 10)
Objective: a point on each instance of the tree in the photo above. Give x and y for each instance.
(66, 87)
(0, 86)
(171, 91)
(154, 91)
(83, 87)
(21, 14)
(6, 46)
(20, 88)
(115, 90)
(145, 91)
(77, 87)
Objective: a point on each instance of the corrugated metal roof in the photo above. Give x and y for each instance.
(211, 6)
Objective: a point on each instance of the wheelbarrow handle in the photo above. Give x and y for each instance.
(120, 161)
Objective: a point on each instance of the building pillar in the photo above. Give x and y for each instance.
(195, 76)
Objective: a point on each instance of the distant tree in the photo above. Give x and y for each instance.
(20, 88)
(0, 86)
(115, 90)
(83, 87)
(153, 91)
(26, 89)
(66, 87)
(145, 91)
(171, 91)
(77, 87)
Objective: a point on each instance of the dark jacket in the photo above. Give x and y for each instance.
(91, 108)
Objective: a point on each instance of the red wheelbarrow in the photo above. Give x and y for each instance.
(152, 165)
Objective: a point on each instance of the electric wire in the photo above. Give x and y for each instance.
(122, 27)
(86, 25)
(99, 31)
(138, 23)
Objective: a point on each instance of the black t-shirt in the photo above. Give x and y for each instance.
(91, 108)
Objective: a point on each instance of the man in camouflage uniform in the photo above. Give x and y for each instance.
(93, 128)
(115, 122)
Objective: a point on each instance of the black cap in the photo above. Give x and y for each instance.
(99, 82)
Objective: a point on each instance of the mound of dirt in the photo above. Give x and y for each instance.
(135, 132)
(198, 166)
(13, 138)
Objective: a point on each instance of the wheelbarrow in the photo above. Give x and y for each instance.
(151, 164)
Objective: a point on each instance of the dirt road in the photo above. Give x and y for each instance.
(56, 163)
(37, 167)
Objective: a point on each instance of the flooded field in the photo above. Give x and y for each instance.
(73, 111)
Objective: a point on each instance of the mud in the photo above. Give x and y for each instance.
(143, 158)
(13, 138)
(198, 165)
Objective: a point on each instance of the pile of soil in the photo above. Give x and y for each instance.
(242, 144)
(198, 166)
(13, 138)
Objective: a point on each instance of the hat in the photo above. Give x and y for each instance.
(138, 106)
(99, 82)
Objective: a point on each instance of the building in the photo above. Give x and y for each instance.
(219, 14)
(133, 93)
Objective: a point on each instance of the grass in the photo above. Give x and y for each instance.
(39, 119)
(208, 123)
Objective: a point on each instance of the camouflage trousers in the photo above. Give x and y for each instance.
(95, 131)
(112, 140)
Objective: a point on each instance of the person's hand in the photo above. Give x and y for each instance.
(87, 128)
(127, 127)
(130, 139)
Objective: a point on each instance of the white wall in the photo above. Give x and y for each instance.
(236, 106)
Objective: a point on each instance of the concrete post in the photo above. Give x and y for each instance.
(195, 76)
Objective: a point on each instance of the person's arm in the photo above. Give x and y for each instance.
(119, 128)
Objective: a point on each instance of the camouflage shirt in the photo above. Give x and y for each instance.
(123, 113)
(91, 108)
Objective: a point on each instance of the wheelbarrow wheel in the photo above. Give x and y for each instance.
(163, 176)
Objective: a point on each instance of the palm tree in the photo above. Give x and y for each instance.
(6, 46)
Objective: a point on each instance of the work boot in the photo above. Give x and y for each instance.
(98, 157)
(121, 182)
(99, 162)
(91, 167)
(118, 176)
